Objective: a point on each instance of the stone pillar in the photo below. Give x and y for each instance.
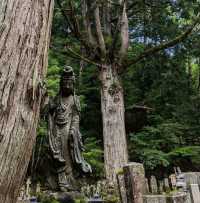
(195, 193)
(166, 184)
(146, 186)
(153, 185)
(161, 186)
(121, 187)
(38, 188)
(172, 178)
(134, 178)
(28, 188)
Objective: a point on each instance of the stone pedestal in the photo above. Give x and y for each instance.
(177, 198)
(154, 199)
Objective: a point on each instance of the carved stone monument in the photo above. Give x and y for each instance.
(195, 193)
(154, 186)
(63, 130)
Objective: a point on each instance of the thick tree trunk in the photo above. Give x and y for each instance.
(24, 37)
(112, 106)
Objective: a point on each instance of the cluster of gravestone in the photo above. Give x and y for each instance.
(135, 188)
(25, 192)
(178, 188)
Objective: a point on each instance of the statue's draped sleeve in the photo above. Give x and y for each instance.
(54, 139)
(76, 143)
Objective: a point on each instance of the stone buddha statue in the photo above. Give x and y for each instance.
(64, 134)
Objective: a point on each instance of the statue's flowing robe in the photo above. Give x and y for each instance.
(64, 135)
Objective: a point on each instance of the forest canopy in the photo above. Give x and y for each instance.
(161, 87)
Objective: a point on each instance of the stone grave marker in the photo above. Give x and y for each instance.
(195, 193)
(22, 193)
(38, 188)
(134, 179)
(166, 184)
(153, 185)
(28, 188)
(146, 186)
(173, 180)
(161, 186)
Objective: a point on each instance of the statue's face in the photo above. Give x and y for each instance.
(67, 87)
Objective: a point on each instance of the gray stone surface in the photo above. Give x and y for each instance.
(172, 178)
(153, 185)
(188, 197)
(161, 186)
(154, 199)
(166, 184)
(195, 193)
(177, 198)
(146, 186)
(192, 178)
(134, 177)
(121, 187)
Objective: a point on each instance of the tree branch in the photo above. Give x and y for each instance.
(80, 57)
(65, 15)
(117, 29)
(163, 46)
(86, 23)
(73, 23)
(124, 32)
(99, 32)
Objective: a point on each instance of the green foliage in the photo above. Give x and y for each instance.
(152, 143)
(168, 82)
(46, 199)
(94, 155)
(53, 75)
(80, 201)
(190, 153)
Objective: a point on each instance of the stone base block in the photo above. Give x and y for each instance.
(176, 198)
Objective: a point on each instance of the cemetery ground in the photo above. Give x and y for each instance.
(132, 187)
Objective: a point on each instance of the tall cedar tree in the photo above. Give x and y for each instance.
(24, 38)
(102, 30)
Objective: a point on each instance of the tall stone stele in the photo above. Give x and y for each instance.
(64, 134)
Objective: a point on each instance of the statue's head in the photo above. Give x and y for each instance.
(67, 81)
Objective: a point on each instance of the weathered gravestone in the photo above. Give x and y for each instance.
(28, 188)
(146, 186)
(121, 187)
(38, 188)
(166, 184)
(134, 178)
(22, 193)
(172, 178)
(195, 193)
(161, 186)
(153, 185)
(192, 178)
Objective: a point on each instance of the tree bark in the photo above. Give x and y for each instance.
(112, 106)
(24, 38)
